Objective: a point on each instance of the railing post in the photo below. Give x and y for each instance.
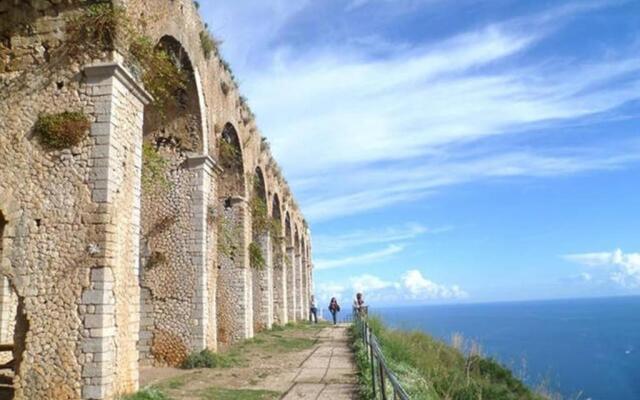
(383, 388)
(373, 362)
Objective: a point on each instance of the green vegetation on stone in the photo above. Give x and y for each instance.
(154, 168)
(256, 258)
(62, 130)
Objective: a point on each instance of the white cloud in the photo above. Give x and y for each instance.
(412, 286)
(359, 259)
(419, 287)
(369, 283)
(623, 269)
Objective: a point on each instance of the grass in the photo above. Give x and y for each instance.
(150, 393)
(430, 369)
(277, 340)
(237, 394)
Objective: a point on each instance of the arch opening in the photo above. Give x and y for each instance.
(234, 297)
(172, 130)
(279, 270)
(260, 255)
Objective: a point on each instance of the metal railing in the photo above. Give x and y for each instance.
(385, 383)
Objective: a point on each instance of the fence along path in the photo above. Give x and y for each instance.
(385, 383)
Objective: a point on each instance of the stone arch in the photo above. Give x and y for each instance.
(279, 270)
(14, 324)
(234, 291)
(260, 253)
(173, 130)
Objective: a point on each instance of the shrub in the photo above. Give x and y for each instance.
(208, 359)
(97, 28)
(62, 130)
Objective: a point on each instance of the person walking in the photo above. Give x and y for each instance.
(334, 309)
(313, 310)
(359, 308)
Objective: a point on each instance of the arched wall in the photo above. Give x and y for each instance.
(88, 244)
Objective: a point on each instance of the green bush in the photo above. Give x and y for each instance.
(62, 130)
(208, 359)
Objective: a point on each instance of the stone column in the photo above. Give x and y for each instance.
(203, 167)
(292, 300)
(280, 315)
(109, 307)
(300, 298)
(263, 288)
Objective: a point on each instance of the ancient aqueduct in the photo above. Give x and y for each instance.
(167, 229)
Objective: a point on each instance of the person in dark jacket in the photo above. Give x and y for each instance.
(334, 309)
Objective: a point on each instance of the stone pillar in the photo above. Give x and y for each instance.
(109, 307)
(233, 296)
(263, 288)
(305, 286)
(292, 300)
(301, 312)
(203, 168)
(280, 315)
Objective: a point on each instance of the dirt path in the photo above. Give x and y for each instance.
(305, 362)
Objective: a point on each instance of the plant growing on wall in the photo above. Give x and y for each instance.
(208, 43)
(256, 258)
(62, 130)
(161, 76)
(104, 27)
(154, 168)
(97, 28)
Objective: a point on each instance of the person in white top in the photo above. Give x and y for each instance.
(313, 310)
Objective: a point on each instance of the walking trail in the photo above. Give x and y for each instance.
(306, 362)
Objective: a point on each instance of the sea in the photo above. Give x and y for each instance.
(581, 349)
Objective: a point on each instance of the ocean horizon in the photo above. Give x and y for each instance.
(586, 348)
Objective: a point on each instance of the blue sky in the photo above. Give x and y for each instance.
(446, 151)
